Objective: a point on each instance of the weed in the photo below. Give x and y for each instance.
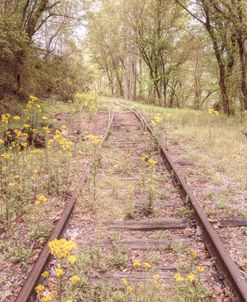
(179, 247)
(153, 257)
(130, 210)
(114, 235)
(183, 212)
(163, 234)
(16, 252)
(244, 230)
(119, 258)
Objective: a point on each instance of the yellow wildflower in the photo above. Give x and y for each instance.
(5, 118)
(137, 263)
(46, 129)
(6, 156)
(74, 279)
(39, 288)
(156, 120)
(146, 265)
(178, 277)
(26, 126)
(61, 248)
(33, 99)
(40, 199)
(71, 259)
(152, 162)
(191, 277)
(200, 269)
(95, 139)
(16, 118)
(213, 112)
(157, 280)
(59, 271)
(129, 289)
(45, 274)
(1, 141)
(124, 282)
(70, 300)
(18, 133)
(156, 277)
(47, 298)
(193, 254)
(44, 118)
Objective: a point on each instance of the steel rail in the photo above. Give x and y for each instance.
(223, 261)
(27, 290)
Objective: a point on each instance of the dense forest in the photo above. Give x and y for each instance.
(172, 53)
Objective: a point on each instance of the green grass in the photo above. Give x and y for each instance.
(215, 145)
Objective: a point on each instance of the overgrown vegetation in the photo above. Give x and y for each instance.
(37, 55)
(198, 135)
(141, 48)
(72, 281)
(36, 155)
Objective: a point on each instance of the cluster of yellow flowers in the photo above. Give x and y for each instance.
(213, 112)
(61, 248)
(157, 281)
(6, 156)
(156, 120)
(5, 118)
(61, 141)
(152, 162)
(95, 139)
(41, 199)
(47, 297)
(128, 288)
(59, 272)
(74, 279)
(33, 103)
(191, 277)
(88, 100)
(138, 264)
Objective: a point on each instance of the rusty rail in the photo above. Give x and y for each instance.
(33, 277)
(223, 261)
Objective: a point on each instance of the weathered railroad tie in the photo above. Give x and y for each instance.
(225, 265)
(34, 275)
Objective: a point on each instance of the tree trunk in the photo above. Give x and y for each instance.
(165, 92)
(223, 90)
(219, 54)
(243, 62)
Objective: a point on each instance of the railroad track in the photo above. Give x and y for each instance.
(155, 229)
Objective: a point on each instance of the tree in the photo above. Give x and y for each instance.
(224, 22)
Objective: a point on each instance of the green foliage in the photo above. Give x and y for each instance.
(87, 101)
(16, 252)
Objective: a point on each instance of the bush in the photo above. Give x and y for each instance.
(87, 100)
